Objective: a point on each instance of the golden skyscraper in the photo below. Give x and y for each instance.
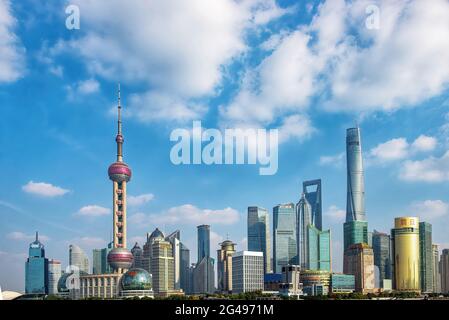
(405, 240)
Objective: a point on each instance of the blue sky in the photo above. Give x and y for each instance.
(310, 69)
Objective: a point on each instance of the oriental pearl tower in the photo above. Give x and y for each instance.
(119, 258)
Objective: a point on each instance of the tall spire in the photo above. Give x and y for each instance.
(37, 236)
(119, 139)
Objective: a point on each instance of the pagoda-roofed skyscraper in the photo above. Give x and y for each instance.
(119, 258)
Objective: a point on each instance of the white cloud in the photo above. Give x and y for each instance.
(430, 209)
(399, 149)
(335, 213)
(187, 214)
(424, 144)
(347, 66)
(44, 189)
(20, 236)
(177, 48)
(335, 160)
(430, 169)
(93, 211)
(82, 88)
(394, 149)
(296, 126)
(140, 199)
(12, 58)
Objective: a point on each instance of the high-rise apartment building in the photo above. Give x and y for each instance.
(284, 236)
(360, 263)
(36, 268)
(247, 271)
(426, 257)
(381, 249)
(224, 266)
(259, 234)
(405, 253)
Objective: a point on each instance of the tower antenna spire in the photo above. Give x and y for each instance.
(119, 111)
(119, 139)
(37, 236)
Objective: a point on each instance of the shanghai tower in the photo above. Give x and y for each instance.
(356, 226)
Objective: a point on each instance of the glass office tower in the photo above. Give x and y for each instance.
(426, 256)
(259, 234)
(356, 227)
(36, 268)
(313, 246)
(314, 199)
(203, 242)
(284, 236)
(381, 248)
(405, 252)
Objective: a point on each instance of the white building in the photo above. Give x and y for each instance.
(54, 274)
(78, 258)
(247, 271)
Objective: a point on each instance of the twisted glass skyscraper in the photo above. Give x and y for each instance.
(356, 226)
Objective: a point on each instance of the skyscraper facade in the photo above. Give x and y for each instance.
(203, 241)
(203, 276)
(426, 257)
(381, 249)
(436, 269)
(137, 256)
(36, 268)
(319, 249)
(119, 258)
(355, 229)
(259, 234)
(224, 266)
(147, 248)
(313, 244)
(162, 267)
(174, 239)
(405, 252)
(360, 263)
(284, 236)
(185, 266)
(247, 271)
(54, 274)
(444, 269)
(78, 258)
(314, 198)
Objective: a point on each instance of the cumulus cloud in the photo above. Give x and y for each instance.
(430, 209)
(394, 149)
(431, 169)
(82, 88)
(12, 59)
(177, 48)
(21, 236)
(348, 67)
(335, 160)
(93, 211)
(140, 199)
(44, 189)
(335, 213)
(399, 149)
(188, 214)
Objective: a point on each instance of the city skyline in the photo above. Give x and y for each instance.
(58, 117)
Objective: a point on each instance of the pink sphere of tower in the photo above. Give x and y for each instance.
(120, 258)
(119, 171)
